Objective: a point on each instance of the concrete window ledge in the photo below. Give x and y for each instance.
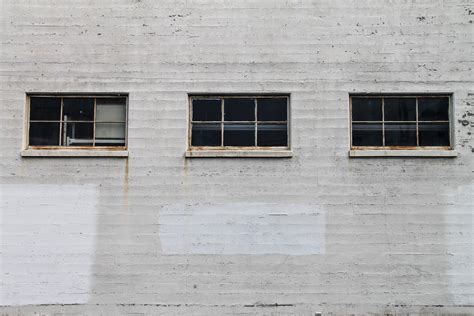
(403, 153)
(74, 153)
(238, 154)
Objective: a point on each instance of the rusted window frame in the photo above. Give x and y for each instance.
(221, 97)
(404, 95)
(95, 96)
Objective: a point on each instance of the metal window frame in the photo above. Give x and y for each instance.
(62, 96)
(221, 97)
(383, 96)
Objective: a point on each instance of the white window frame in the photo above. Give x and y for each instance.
(404, 151)
(238, 151)
(73, 151)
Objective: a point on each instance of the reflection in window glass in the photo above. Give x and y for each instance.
(397, 134)
(272, 135)
(434, 134)
(239, 134)
(206, 135)
(367, 134)
(110, 134)
(110, 110)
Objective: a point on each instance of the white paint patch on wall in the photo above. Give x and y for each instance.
(459, 230)
(47, 243)
(243, 228)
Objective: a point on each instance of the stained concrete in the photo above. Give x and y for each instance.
(390, 235)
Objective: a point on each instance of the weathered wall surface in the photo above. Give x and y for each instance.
(158, 233)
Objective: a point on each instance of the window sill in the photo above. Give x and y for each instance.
(74, 153)
(403, 153)
(239, 154)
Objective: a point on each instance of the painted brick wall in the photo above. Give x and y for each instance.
(158, 233)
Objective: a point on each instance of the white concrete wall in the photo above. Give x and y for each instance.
(101, 235)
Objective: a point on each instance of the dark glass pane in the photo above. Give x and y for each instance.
(272, 109)
(433, 109)
(207, 110)
(206, 135)
(45, 109)
(366, 134)
(78, 134)
(78, 109)
(366, 109)
(434, 134)
(239, 135)
(110, 134)
(400, 109)
(397, 134)
(239, 109)
(272, 135)
(44, 134)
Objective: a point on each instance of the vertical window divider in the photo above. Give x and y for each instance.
(222, 122)
(417, 129)
(94, 122)
(383, 122)
(61, 123)
(256, 120)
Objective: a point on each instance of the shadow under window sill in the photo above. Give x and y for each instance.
(74, 153)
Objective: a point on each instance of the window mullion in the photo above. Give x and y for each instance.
(61, 123)
(93, 122)
(417, 130)
(222, 122)
(256, 125)
(383, 122)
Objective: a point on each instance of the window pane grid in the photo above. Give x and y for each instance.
(383, 122)
(233, 125)
(390, 124)
(66, 125)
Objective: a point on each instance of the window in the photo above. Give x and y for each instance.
(240, 122)
(400, 122)
(58, 122)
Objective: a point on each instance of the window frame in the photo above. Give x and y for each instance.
(237, 151)
(64, 151)
(405, 149)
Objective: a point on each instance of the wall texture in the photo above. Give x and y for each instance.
(158, 233)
